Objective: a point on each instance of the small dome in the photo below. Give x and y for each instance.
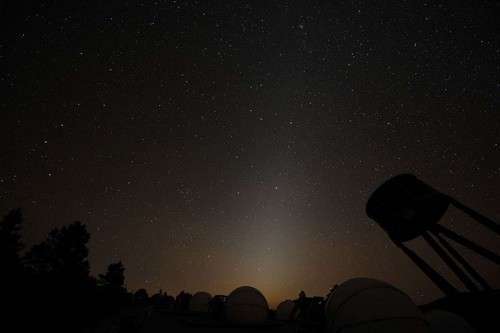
(444, 321)
(368, 305)
(246, 305)
(284, 310)
(199, 302)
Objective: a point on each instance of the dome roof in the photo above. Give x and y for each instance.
(362, 304)
(285, 310)
(443, 321)
(199, 302)
(246, 305)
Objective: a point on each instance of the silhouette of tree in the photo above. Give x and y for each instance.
(114, 277)
(63, 254)
(111, 292)
(58, 269)
(52, 284)
(10, 241)
(11, 277)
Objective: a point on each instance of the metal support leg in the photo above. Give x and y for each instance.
(492, 225)
(440, 281)
(454, 253)
(469, 284)
(467, 243)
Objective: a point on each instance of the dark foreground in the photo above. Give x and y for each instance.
(150, 320)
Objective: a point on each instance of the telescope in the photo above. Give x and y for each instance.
(407, 208)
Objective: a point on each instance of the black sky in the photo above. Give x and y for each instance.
(210, 144)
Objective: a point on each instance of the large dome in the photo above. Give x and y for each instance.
(199, 302)
(368, 305)
(285, 310)
(246, 305)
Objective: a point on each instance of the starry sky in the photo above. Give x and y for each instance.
(213, 144)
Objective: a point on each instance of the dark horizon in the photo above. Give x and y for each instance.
(209, 146)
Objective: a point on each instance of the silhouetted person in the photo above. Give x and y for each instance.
(300, 306)
(182, 301)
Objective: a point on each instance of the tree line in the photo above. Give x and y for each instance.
(49, 286)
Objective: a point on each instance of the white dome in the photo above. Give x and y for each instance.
(443, 321)
(199, 302)
(246, 305)
(368, 305)
(285, 310)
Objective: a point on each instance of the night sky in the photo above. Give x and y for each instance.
(213, 144)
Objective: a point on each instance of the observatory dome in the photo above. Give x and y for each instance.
(443, 321)
(285, 310)
(368, 305)
(246, 305)
(199, 302)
